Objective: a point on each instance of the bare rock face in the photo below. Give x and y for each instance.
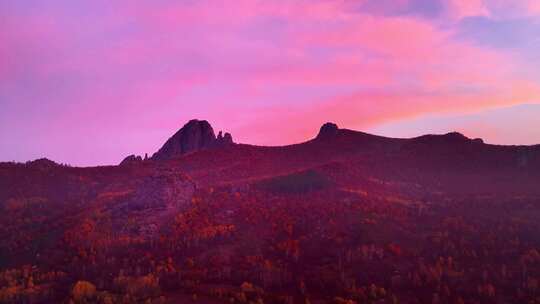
(152, 203)
(328, 130)
(194, 136)
(163, 191)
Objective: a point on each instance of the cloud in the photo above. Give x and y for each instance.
(503, 34)
(502, 9)
(423, 8)
(269, 71)
(459, 9)
(367, 110)
(492, 125)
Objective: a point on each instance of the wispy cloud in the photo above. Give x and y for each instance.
(269, 71)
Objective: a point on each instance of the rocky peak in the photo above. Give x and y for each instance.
(478, 141)
(131, 159)
(224, 139)
(327, 130)
(228, 138)
(194, 136)
(455, 136)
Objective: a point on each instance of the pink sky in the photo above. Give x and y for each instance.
(89, 82)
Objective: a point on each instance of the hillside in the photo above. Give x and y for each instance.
(344, 216)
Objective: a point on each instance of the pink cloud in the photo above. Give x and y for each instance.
(364, 110)
(467, 8)
(269, 71)
(533, 7)
(501, 9)
(492, 125)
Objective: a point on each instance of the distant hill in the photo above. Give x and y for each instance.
(449, 163)
(236, 199)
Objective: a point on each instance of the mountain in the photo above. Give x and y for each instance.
(194, 136)
(449, 162)
(346, 214)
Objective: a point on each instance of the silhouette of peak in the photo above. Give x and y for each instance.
(42, 163)
(224, 139)
(193, 136)
(228, 138)
(455, 136)
(197, 123)
(450, 138)
(327, 130)
(131, 159)
(478, 141)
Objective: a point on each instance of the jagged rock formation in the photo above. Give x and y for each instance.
(130, 160)
(194, 136)
(228, 138)
(328, 130)
(224, 139)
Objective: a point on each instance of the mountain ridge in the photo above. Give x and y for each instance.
(197, 135)
(235, 200)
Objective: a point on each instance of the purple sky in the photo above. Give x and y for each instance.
(89, 82)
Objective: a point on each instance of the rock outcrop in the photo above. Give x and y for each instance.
(151, 202)
(194, 136)
(451, 138)
(130, 160)
(328, 130)
(455, 136)
(223, 140)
